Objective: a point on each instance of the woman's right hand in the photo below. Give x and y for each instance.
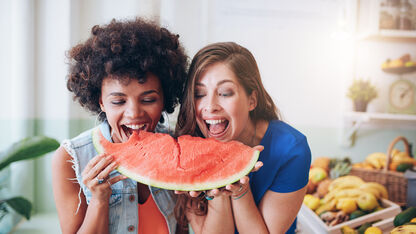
(96, 176)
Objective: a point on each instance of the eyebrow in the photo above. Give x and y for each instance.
(118, 94)
(219, 83)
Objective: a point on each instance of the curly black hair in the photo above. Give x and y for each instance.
(127, 49)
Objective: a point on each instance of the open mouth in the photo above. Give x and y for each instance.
(216, 127)
(130, 128)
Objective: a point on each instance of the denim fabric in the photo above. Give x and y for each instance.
(123, 215)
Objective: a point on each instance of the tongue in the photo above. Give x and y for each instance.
(217, 128)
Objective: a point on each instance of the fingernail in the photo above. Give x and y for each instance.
(109, 158)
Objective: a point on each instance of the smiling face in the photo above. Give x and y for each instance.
(131, 106)
(222, 105)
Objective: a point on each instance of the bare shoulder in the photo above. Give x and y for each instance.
(62, 164)
(70, 206)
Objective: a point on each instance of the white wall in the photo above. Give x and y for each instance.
(303, 67)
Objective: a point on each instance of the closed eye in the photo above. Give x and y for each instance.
(149, 100)
(226, 94)
(197, 96)
(118, 102)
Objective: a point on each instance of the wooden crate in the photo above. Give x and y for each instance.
(310, 223)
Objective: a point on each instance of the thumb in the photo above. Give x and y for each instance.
(259, 147)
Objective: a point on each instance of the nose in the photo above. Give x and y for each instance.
(211, 104)
(133, 110)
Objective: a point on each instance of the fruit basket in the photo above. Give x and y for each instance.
(399, 70)
(309, 222)
(395, 182)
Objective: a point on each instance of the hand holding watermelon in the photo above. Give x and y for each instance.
(231, 189)
(96, 176)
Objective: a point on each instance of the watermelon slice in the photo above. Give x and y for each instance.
(186, 164)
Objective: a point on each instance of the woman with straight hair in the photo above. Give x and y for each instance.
(225, 99)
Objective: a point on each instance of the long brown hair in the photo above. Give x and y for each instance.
(243, 64)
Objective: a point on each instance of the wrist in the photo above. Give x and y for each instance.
(240, 194)
(99, 201)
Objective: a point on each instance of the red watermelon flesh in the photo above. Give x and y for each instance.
(188, 163)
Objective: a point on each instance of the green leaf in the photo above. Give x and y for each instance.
(20, 205)
(28, 148)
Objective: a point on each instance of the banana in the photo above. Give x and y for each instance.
(383, 191)
(377, 160)
(348, 179)
(406, 229)
(326, 207)
(404, 160)
(371, 190)
(347, 184)
(399, 155)
(350, 193)
(329, 196)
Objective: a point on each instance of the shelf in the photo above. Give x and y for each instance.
(369, 116)
(386, 34)
(356, 119)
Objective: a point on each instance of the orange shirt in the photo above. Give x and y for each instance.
(150, 218)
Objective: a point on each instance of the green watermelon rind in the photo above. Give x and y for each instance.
(175, 186)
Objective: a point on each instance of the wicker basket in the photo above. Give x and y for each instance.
(395, 182)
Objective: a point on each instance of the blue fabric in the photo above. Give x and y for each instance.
(123, 213)
(286, 161)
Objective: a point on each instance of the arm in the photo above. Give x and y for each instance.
(287, 205)
(92, 218)
(219, 218)
(275, 214)
(276, 210)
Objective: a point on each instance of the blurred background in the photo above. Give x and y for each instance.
(309, 53)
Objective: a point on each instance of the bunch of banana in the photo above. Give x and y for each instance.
(352, 186)
(377, 160)
(337, 194)
(345, 182)
(348, 193)
(329, 206)
(376, 189)
(402, 157)
(399, 158)
(406, 228)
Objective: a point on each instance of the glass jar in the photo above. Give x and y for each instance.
(389, 13)
(405, 16)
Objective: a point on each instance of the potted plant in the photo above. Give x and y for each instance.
(27, 148)
(361, 92)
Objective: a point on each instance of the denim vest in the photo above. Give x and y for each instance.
(123, 211)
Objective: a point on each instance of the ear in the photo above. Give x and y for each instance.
(252, 100)
(100, 101)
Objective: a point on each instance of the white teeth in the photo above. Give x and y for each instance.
(135, 126)
(214, 121)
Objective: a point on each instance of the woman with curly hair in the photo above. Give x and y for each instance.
(128, 73)
(225, 99)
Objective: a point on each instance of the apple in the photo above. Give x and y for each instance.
(367, 201)
(317, 174)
